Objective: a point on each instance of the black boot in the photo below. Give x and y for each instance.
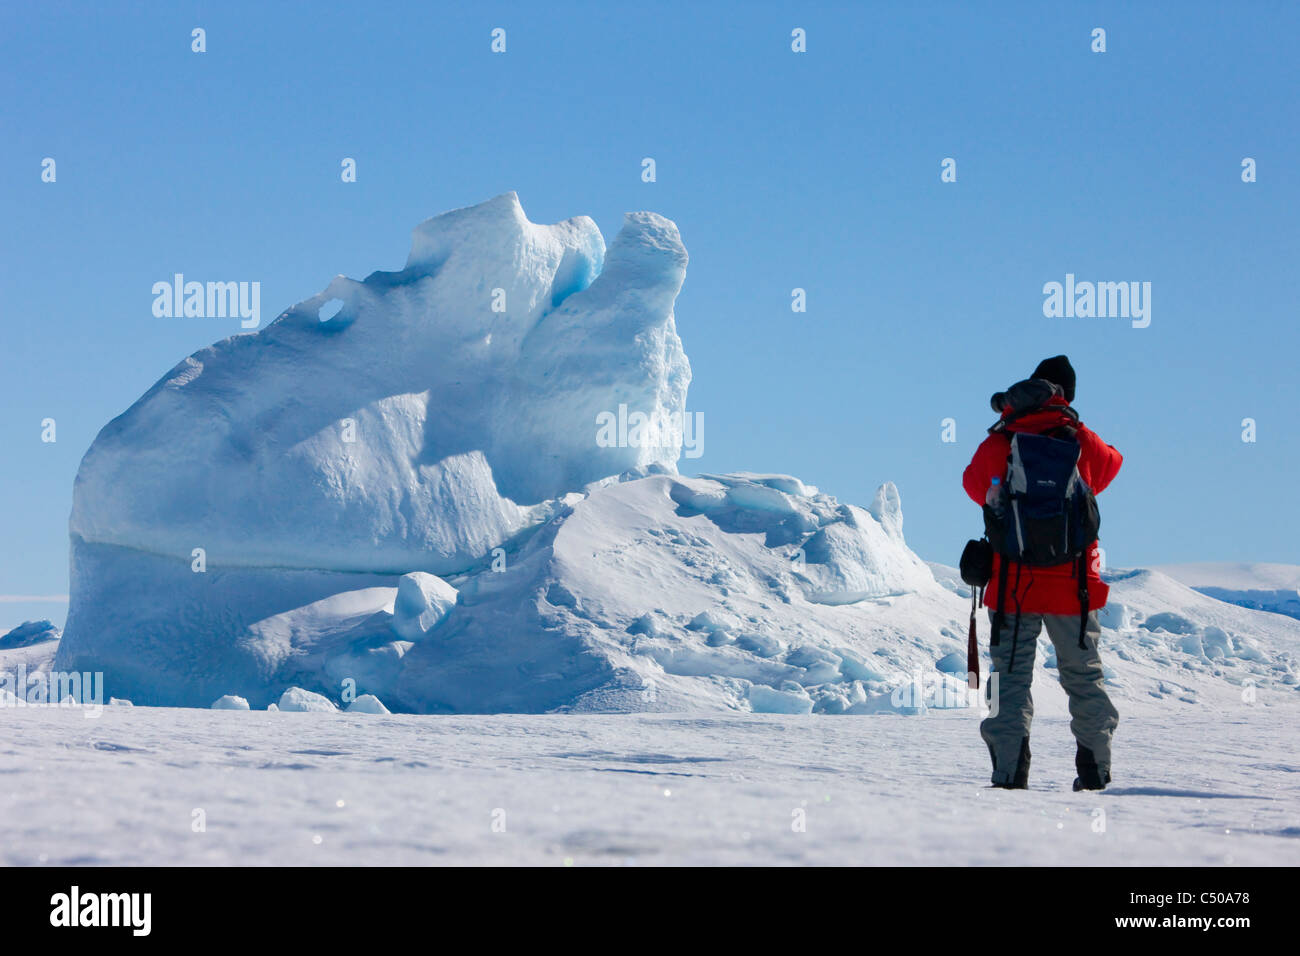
(1091, 777)
(1021, 779)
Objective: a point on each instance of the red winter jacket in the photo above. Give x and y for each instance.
(1044, 590)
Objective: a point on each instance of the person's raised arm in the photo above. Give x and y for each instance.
(990, 461)
(1103, 460)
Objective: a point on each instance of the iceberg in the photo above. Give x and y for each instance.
(401, 490)
(29, 633)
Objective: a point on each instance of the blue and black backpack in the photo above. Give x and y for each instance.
(1044, 514)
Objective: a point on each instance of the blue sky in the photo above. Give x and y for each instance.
(818, 170)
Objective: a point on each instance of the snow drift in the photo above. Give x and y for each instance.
(1264, 587)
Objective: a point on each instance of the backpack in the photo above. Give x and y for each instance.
(1045, 514)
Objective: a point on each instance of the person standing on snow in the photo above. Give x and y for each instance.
(1055, 596)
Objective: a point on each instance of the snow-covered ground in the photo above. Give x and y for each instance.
(1194, 786)
(1206, 763)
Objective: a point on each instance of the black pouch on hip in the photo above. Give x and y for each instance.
(976, 565)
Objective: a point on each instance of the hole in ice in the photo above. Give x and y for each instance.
(330, 309)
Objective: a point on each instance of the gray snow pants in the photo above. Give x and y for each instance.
(1093, 716)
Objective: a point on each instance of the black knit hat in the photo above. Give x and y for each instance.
(1058, 371)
